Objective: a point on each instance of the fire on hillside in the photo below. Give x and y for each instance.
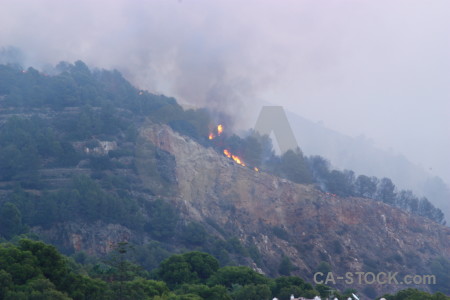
(217, 132)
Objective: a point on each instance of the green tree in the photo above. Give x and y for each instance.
(285, 266)
(230, 275)
(6, 283)
(176, 270)
(285, 286)
(324, 291)
(340, 183)
(81, 287)
(386, 191)
(143, 289)
(320, 169)
(252, 151)
(414, 294)
(407, 201)
(286, 292)
(162, 219)
(216, 292)
(203, 264)
(39, 288)
(194, 234)
(252, 292)
(294, 167)
(365, 186)
(324, 267)
(21, 265)
(49, 261)
(190, 267)
(10, 220)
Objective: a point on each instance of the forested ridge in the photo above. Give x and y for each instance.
(68, 147)
(44, 117)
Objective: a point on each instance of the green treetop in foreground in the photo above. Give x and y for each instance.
(34, 270)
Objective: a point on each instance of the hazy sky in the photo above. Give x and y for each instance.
(378, 68)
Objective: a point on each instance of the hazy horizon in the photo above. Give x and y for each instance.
(378, 69)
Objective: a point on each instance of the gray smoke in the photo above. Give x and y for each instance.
(196, 51)
(374, 68)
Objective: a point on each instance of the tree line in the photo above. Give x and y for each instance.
(257, 151)
(101, 95)
(34, 270)
(347, 184)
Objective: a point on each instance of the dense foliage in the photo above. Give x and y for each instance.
(83, 200)
(99, 104)
(414, 294)
(50, 114)
(34, 270)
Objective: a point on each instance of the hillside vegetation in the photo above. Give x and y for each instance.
(34, 270)
(45, 116)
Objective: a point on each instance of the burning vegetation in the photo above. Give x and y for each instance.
(227, 152)
(217, 132)
(237, 159)
(256, 152)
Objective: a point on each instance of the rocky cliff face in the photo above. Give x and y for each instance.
(282, 218)
(316, 231)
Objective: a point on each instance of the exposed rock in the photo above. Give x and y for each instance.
(278, 217)
(93, 238)
(351, 234)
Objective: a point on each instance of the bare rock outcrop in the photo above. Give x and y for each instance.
(287, 219)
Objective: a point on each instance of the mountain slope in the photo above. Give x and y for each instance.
(86, 163)
(282, 218)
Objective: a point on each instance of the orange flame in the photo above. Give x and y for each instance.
(227, 153)
(237, 159)
(219, 132)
